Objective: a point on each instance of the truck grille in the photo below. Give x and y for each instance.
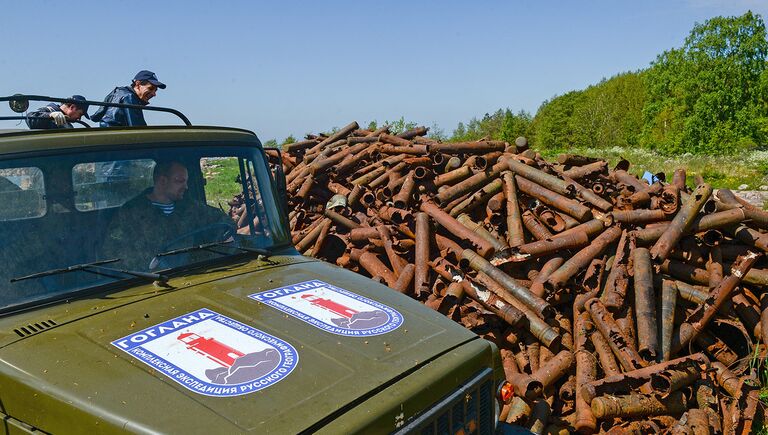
(468, 410)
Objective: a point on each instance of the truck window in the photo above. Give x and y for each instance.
(21, 193)
(99, 206)
(224, 189)
(100, 185)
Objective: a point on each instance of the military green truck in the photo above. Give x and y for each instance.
(117, 315)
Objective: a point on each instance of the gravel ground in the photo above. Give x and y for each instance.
(756, 197)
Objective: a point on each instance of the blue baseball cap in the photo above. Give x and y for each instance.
(83, 106)
(150, 77)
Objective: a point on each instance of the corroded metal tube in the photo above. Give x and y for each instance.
(553, 199)
(638, 405)
(581, 259)
(701, 317)
(681, 223)
(668, 304)
(586, 371)
(625, 382)
(483, 247)
(535, 303)
(421, 274)
(515, 235)
(620, 345)
(539, 231)
(645, 305)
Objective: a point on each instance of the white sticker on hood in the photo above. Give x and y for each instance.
(212, 354)
(332, 309)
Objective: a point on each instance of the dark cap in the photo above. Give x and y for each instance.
(82, 106)
(150, 77)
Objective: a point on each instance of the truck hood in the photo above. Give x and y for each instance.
(255, 348)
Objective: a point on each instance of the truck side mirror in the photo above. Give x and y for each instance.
(19, 105)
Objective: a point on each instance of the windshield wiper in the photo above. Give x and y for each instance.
(209, 247)
(95, 268)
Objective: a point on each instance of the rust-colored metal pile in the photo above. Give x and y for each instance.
(617, 305)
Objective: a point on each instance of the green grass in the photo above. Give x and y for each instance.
(220, 175)
(760, 367)
(729, 172)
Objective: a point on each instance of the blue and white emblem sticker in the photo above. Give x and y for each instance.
(212, 354)
(332, 309)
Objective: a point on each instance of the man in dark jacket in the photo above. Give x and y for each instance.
(57, 115)
(150, 223)
(143, 87)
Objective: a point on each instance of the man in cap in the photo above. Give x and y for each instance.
(58, 115)
(143, 87)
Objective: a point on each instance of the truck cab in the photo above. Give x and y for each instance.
(121, 313)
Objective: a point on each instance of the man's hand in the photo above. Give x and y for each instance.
(59, 118)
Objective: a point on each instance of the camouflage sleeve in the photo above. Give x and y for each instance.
(214, 215)
(122, 242)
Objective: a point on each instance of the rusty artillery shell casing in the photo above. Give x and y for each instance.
(535, 303)
(588, 169)
(312, 236)
(483, 247)
(699, 320)
(459, 174)
(421, 274)
(637, 217)
(547, 335)
(515, 235)
(403, 197)
(537, 285)
(604, 354)
(544, 247)
(581, 259)
(625, 382)
(479, 230)
(495, 304)
(341, 220)
(681, 223)
(371, 263)
(592, 228)
(712, 221)
(477, 198)
(716, 347)
(586, 371)
(532, 224)
(667, 381)
(668, 303)
(617, 281)
(472, 183)
(566, 205)
(554, 369)
(603, 320)
(638, 405)
(532, 386)
(405, 279)
(645, 305)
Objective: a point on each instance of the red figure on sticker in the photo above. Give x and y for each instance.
(330, 305)
(210, 348)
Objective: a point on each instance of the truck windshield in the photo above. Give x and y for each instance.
(58, 211)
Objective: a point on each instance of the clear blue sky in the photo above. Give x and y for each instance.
(288, 67)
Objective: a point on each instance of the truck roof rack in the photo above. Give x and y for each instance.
(20, 103)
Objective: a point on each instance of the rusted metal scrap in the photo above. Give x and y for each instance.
(618, 306)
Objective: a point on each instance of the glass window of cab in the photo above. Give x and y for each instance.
(57, 211)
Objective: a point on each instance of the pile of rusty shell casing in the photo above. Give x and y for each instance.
(613, 300)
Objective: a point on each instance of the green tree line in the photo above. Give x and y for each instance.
(709, 96)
